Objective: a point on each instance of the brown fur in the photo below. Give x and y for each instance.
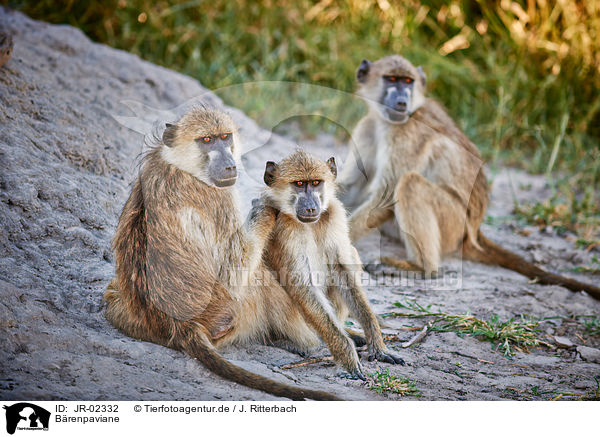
(178, 246)
(6, 47)
(429, 177)
(318, 266)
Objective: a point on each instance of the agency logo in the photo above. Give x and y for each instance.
(26, 416)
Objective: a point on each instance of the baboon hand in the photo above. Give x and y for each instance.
(386, 356)
(263, 204)
(261, 208)
(257, 202)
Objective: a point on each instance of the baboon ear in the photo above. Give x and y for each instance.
(332, 166)
(270, 170)
(168, 137)
(363, 71)
(422, 75)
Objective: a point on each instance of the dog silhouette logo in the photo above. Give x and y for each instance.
(26, 416)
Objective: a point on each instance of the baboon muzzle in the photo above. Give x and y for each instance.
(308, 208)
(397, 102)
(223, 170)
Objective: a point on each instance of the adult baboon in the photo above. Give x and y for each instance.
(180, 246)
(413, 163)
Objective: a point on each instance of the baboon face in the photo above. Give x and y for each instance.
(204, 143)
(307, 196)
(222, 168)
(393, 86)
(301, 185)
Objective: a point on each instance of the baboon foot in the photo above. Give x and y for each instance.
(358, 338)
(401, 264)
(354, 375)
(385, 356)
(405, 265)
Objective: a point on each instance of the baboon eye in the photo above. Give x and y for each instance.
(225, 136)
(299, 183)
(391, 78)
(316, 182)
(407, 80)
(206, 139)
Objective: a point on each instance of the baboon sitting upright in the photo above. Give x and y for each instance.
(413, 163)
(179, 245)
(311, 253)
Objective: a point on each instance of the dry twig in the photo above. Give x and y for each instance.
(417, 338)
(308, 362)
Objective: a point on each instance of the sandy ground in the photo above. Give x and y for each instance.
(66, 165)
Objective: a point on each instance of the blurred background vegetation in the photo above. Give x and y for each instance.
(521, 78)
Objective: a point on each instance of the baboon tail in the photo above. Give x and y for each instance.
(201, 348)
(491, 253)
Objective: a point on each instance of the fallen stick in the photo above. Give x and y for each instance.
(307, 362)
(417, 338)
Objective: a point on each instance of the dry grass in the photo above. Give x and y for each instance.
(509, 336)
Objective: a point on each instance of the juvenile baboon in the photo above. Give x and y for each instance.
(180, 245)
(311, 253)
(425, 173)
